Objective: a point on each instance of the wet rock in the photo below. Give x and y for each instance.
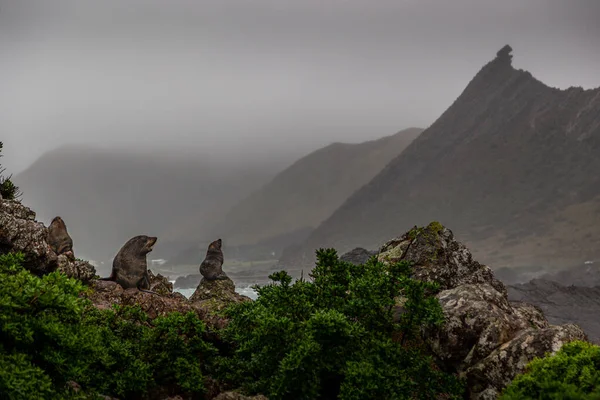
(490, 376)
(20, 232)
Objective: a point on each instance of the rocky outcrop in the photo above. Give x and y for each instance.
(78, 269)
(217, 294)
(486, 339)
(512, 166)
(160, 284)
(358, 256)
(20, 232)
(563, 304)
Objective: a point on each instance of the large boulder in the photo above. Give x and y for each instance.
(490, 376)
(20, 232)
(160, 284)
(485, 338)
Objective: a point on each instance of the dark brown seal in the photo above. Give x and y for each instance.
(58, 237)
(130, 269)
(212, 266)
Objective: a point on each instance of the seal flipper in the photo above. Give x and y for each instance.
(146, 282)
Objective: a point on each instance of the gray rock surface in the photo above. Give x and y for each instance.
(358, 256)
(563, 304)
(486, 338)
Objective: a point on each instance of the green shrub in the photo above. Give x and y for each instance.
(331, 338)
(572, 373)
(8, 190)
(50, 335)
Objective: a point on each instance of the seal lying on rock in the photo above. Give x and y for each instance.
(212, 266)
(130, 269)
(58, 237)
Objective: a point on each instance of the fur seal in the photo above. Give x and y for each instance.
(58, 237)
(212, 266)
(130, 269)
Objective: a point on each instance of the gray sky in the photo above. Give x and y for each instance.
(261, 75)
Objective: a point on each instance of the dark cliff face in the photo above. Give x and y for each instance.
(511, 166)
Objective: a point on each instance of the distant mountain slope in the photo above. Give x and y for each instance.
(307, 192)
(512, 167)
(105, 197)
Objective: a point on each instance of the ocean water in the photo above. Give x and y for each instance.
(246, 291)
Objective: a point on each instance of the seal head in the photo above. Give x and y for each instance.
(212, 266)
(58, 238)
(130, 269)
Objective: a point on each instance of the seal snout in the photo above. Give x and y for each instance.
(151, 242)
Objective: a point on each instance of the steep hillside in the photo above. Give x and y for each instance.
(307, 192)
(105, 197)
(512, 166)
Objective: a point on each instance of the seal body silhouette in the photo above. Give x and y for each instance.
(58, 237)
(212, 266)
(130, 269)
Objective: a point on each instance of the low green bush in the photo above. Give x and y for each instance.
(332, 337)
(50, 335)
(573, 373)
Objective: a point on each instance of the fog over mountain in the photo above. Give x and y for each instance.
(252, 77)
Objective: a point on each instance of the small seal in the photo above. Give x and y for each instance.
(58, 237)
(130, 269)
(212, 266)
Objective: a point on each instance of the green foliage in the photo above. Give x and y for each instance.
(332, 337)
(50, 335)
(8, 190)
(572, 373)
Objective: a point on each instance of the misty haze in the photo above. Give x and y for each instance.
(197, 148)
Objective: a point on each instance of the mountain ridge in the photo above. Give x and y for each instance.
(310, 189)
(473, 169)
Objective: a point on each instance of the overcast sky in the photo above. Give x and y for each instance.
(262, 75)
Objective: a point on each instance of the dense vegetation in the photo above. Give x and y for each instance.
(49, 336)
(572, 373)
(8, 190)
(329, 338)
(334, 337)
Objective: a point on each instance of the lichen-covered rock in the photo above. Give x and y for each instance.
(238, 396)
(20, 232)
(358, 256)
(485, 337)
(160, 284)
(215, 295)
(74, 268)
(530, 314)
(104, 294)
(490, 376)
(438, 257)
(478, 320)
